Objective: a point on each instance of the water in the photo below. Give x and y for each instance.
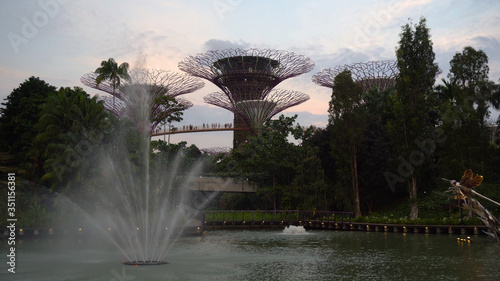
(270, 255)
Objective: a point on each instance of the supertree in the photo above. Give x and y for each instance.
(247, 78)
(256, 112)
(157, 88)
(372, 74)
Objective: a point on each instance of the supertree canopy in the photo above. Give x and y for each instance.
(247, 79)
(145, 87)
(256, 112)
(373, 74)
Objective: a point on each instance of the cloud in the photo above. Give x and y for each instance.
(216, 44)
(340, 57)
(488, 42)
(490, 46)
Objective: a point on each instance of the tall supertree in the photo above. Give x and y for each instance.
(247, 79)
(372, 74)
(158, 88)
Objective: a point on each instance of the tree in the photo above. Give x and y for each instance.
(270, 159)
(469, 68)
(20, 113)
(375, 150)
(412, 121)
(109, 70)
(465, 101)
(320, 141)
(72, 131)
(469, 72)
(168, 110)
(347, 116)
(166, 156)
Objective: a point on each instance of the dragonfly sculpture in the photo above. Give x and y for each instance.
(465, 190)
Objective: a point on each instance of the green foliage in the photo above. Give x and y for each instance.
(33, 207)
(289, 175)
(469, 68)
(72, 131)
(375, 152)
(237, 201)
(167, 110)
(464, 110)
(251, 216)
(20, 113)
(167, 156)
(271, 158)
(347, 116)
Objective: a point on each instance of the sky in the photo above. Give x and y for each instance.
(61, 40)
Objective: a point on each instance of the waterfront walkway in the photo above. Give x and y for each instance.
(321, 220)
(256, 219)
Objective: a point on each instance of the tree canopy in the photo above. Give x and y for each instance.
(21, 112)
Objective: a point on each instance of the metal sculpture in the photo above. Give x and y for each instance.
(145, 86)
(247, 79)
(119, 109)
(256, 112)
(372, 74)
(465, 191)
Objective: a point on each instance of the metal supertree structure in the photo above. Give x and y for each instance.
(247, 79)
(372, 74)
(144, 87)
(256, 112)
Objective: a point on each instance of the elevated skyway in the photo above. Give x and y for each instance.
(194, 129)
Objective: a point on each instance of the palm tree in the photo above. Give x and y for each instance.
(71, 130)
(109, 70)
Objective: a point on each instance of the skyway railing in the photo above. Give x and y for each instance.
(194, 129)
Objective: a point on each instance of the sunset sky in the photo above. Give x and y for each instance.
(59, 41)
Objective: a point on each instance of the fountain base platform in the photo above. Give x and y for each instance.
(137, 263)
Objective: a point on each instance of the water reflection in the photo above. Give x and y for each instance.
(270, 255)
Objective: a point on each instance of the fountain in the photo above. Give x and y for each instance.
(144, 206)
(294, 230)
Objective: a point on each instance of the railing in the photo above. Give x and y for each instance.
(167, 130)
(262, 217)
